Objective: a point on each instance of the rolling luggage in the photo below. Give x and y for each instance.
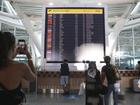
(135, 85)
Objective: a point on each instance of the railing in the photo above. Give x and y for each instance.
(50, 81)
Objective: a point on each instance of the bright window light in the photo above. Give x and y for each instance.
(89, 52)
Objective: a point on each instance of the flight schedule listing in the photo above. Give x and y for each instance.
(68, 28)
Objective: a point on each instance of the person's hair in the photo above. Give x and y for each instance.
(91, 64)
(138, 62)
(107, 59)
(7, 40)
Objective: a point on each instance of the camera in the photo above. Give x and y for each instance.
(21, 46)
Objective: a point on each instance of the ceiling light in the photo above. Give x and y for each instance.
(99, 4)
(51, 4)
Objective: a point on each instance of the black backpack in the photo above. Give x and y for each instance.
(112, 74)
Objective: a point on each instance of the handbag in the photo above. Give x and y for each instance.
(117, 73)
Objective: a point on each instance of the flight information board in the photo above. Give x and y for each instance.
(66, 29)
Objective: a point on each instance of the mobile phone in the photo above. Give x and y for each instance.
(21, 46)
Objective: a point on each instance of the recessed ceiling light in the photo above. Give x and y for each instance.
(99, 4)
(51, 4)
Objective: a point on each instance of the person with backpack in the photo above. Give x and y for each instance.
(64, 76)
(138, 69)
(111, 74)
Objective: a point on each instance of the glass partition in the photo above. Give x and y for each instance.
(128, 48)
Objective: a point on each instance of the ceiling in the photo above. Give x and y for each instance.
(34, 9)
(79, 1)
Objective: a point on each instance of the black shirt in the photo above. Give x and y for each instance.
(109, 72)
(64, 70)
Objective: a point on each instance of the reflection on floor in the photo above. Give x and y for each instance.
(54, 99)
(57, 99)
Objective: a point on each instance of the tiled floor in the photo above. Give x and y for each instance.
(54, 99)
(57, 99)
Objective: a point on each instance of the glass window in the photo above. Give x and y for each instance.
(128, 48)
(137, 51)
(126, 62)
(137, 31)
(22, 34)
(4, 8)
(126, 33)
(125, 41)
(7, 28)
(137, 41)
(0, 4)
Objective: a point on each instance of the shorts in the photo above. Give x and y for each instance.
(64, 80)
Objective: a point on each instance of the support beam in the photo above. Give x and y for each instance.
(36, 38)
(9, 19)
(112, 37)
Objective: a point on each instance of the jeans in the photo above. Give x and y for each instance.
(111, 89)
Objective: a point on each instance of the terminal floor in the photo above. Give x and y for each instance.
(57, 99)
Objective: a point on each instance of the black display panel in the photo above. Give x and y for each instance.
(67, 29)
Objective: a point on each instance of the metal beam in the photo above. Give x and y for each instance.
(28, 27)
(112, 37)
(12, 20)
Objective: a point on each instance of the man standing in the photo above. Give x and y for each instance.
(138, 68)
(64, 76)
(109, 73)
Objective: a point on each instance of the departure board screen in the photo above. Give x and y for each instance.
(68, 30)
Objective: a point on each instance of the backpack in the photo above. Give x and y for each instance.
(117, 73)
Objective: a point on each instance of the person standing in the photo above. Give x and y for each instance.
(108, 72)
(138, 68)
(93, 84)
(64, 76)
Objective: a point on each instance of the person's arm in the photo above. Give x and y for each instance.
(30, 62)
(30, 72)
(103, 75)
(99, 77)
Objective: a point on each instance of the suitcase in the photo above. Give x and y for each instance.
(135, 85)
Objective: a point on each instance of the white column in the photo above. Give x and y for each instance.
(112, 37)
(36, 38)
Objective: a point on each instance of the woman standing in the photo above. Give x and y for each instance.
(12, 72)
(92, 84)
